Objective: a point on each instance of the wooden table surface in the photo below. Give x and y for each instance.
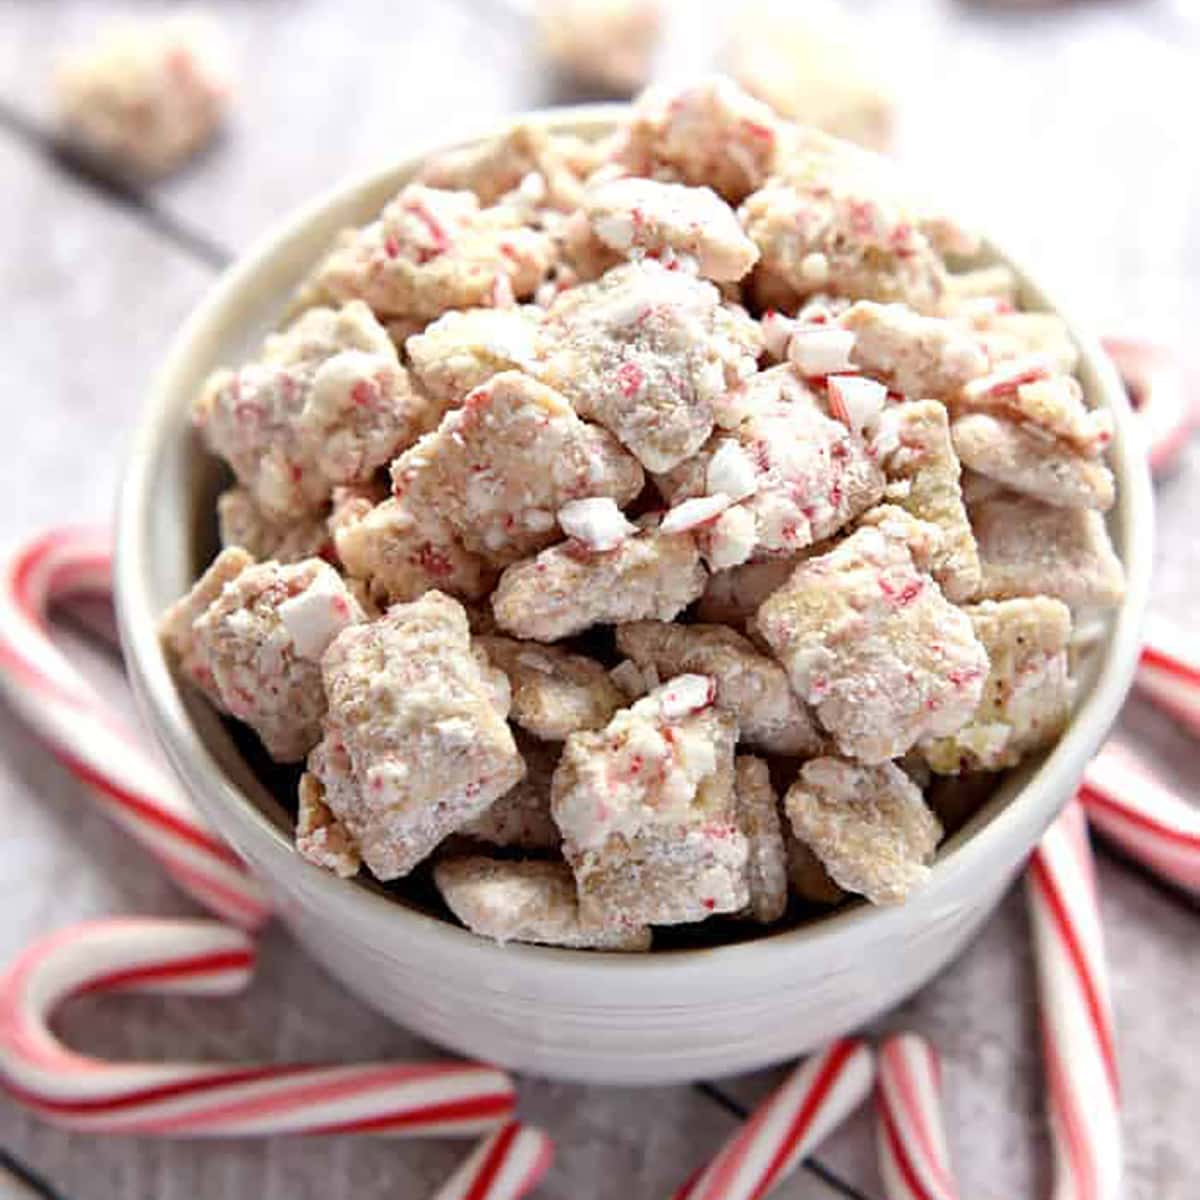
(1069, 134)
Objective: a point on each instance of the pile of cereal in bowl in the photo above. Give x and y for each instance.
(649, 533)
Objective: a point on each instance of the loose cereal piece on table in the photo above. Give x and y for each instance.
(414, 746)
(609, 44)
(872, 644)
(758, 819)
(913, 441)
(647, 352)
(670, 221)
(647, 811)
(494, 168)
(529, 901)
(461, 350)
(798, 472)
(751, 687)
(400, 552)
(255, 649)
(146, 96)
(499, 468)
(732, 597)
(707, 134)
(869, 826)
(433, 250)
(920, 357)
(320, 837)
(1027, 696)
(569, 588)
(327, 403)
(1028, 549)
(1029, 462)
(554, 692)
(243, 524)
(521, 818)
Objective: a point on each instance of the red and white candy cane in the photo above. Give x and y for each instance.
(914, 1159)
(206, 1099)
(809, 1105)
(505, 1166)
(1128, 803)
(65, 710)
(1076, 1013)
(1158, 391)
(1169, 671)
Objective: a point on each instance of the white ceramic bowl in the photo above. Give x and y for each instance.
(657, 1018)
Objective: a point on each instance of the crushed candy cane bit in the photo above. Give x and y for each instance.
(596, 522)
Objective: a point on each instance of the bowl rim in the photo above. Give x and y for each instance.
(194, 762)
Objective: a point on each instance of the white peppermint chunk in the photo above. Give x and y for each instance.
(692, 513)
(821, 350)
(315, 616)
(687, 694)
(731, 471)
(855, 401)
(596, 521)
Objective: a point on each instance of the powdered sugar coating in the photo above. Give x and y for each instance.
(530, 901)
(242, 523)
(431, 250)
(647, 811)
(646, 351)
(1028, 549)
(758, 819)
(256, 648)
(554, 692)
(147, 95)
(869, 826)
(872, 644)
(320, 837)
(413, 744)
(750, 686)
(638, 217)
(567, 589)
(1027, 696)
(499, 468)
(923, 478)
(327, 403)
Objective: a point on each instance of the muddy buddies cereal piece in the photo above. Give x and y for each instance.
(176, 629)
(758, 819)
(707, 134)
(146, 96)
(921, 357)
(1027, 461)
(521, 818)
(531, 901)
(413, 746)
(1027, 696)
(241, 523)
(569, 588)
(433, 250)
(608, 44)
(869, 826)
(670, 221)
(807, 878)
(801, 474)
(554, 692)
(647, 811)
(750, 686)
(647, 352)
(461, 350)
(1028, 549)
(1008, 335)
(327, 403)
(872, 644)
(320, 837)
(499, 468)
(913, 441)
(255, 650)
(399, 552)
(732, 597)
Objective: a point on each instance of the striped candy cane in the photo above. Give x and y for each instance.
(914, 1159)
(1076, 1013)
(1169, 671)
(1127, 802)
(505, 1166)
(1160, 396)
(203, 1099)
(56, 700)
(809, 1105)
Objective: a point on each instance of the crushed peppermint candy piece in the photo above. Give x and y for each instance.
(596, 521)
(731, 471)
(821, 350)
(687, 694)
(695, 512)
(315, 616)
(855, 401)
